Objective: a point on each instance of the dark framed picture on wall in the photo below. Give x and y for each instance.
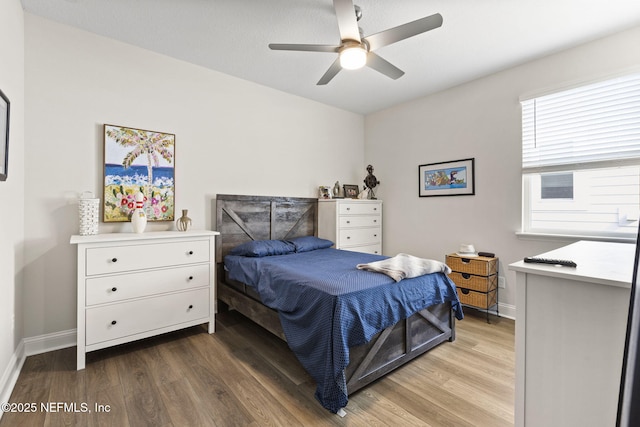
(454, 178)
(4, 136)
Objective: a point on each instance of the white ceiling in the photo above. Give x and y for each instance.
(478, 37)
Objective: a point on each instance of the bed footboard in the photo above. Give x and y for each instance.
(398, 344)
(388, 350)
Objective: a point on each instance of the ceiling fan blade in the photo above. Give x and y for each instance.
(304, 47)
(347, 22)
(331, 73)
(404, 31)
(383, 66)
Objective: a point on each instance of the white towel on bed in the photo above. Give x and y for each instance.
(404, 266)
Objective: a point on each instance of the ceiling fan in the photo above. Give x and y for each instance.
(356, 51)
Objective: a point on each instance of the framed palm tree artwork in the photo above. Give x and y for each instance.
(138, 161)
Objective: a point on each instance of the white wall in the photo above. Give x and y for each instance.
(480, 119)
(232, 136)
(12, 190)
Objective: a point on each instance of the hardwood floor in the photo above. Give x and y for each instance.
(244, 376)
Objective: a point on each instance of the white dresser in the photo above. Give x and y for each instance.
(352, 224)
(570, 335)
(133, 286)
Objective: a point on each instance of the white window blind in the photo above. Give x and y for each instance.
(594, 123)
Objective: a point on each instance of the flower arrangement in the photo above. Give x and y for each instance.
(120, 202)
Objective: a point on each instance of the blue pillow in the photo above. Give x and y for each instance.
(310, 243)
(260, 248)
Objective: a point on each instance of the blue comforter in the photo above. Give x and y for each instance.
(326, 305)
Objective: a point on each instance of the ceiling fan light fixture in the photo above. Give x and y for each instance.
(355, 50)
(353, 57)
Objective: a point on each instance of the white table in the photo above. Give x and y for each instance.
(570, 334)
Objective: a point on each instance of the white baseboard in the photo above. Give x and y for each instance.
(506, 310)
(10, 375)
(29, 347)
(49, 342)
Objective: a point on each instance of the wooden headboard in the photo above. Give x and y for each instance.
(240, 219)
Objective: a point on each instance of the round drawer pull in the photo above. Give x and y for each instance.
(375, 235)
(190, 252)
(114, 259)
(464, 291)
(466, 276)
(375, 220)
(190, 306)
(190, 277)
(348, 222)
(375, 209)
(113, 322)
(348, 209)
(114, 289)
(348, 237)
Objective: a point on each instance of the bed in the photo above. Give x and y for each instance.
(356, 344)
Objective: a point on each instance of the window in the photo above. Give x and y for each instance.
(581, 160)
(556, 186)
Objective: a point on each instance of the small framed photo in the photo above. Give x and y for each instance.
(454, 178)
(351, 191)
(4, 136)
(324, 192)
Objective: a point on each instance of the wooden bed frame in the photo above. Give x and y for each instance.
(244, 218)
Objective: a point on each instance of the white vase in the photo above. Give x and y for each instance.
(88, 210)
(138, 217)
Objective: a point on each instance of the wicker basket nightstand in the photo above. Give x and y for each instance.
(476, 279)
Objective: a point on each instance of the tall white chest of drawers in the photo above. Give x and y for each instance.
(352, 224)
(133, 286)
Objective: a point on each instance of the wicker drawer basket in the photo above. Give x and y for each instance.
(476, 283)
(477, 299)
(479, 266)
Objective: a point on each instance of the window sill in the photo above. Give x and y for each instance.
(571, 237)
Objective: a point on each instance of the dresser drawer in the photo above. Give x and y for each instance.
(122, 258)
(359, 221)
(357, 208)
(114, 321)
(360, 236)
(118, 287)
(368, 249)
(479, 266)
(476, 283)
(477, 299)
